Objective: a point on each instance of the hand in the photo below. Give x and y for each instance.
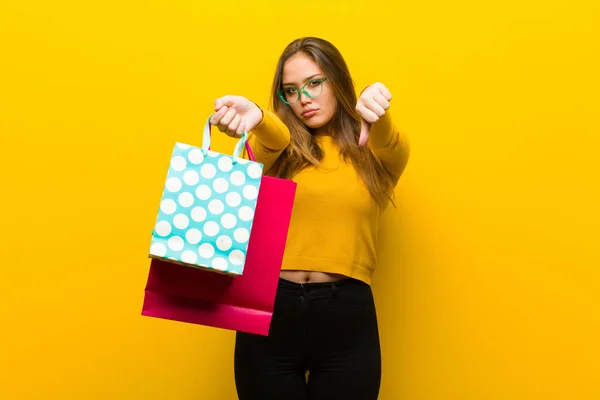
(235, 115)
(371, 105)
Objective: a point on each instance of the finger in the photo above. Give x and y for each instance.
(226, 120)
(216, 117)
(233, 126)
(366, 114)
(372, 105)
(378, 97)
(365, 127)
(225, 101)
(385, 93)
(241, 129)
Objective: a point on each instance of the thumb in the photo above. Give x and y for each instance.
(225, 101)
(365, 127)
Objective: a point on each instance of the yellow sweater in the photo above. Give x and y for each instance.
(335, 221)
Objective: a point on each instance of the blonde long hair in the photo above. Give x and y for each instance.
(303, 150)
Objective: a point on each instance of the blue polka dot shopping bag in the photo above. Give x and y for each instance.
(207, 208)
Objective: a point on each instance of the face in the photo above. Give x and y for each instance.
(315, 113)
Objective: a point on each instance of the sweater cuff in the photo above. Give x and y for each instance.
(382, 132)
(271, 132)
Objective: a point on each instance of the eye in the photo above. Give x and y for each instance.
(290, 90)
(315, 82)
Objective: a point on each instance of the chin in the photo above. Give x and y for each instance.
(315, 123)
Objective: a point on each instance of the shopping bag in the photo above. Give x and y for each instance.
(207, 208)
(242, 303)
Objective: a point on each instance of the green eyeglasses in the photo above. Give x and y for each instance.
(312, 89)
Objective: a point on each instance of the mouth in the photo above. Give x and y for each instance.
(309, 113)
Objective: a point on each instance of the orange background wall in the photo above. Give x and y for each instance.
(488, 285)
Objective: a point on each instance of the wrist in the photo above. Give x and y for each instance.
(258, 115)
(258, 110)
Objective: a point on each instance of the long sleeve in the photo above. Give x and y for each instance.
(389, 145)
(268, 139)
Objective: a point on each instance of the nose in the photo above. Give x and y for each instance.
(304, 99)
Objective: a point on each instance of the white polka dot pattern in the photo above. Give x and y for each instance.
(163, 228)
(181, 221)
(186, 199)
(224, 243)
(206, 251)
(228, 221)
(191, 178)
(198, 214)
(173, 185)
(178, 163)
(216, 206)
(168, 206)
(189, 257)
(220, 185)
(207, 209)
(233, 199)
(208, 171)
(219, 263)
(241, 235)
(236, 257)
(246, 213)
(225, 164)
(193, 236)
(175, 243)
(195, 156)
(158, 249)
(211, 228)
(237, 178)
(203, 192)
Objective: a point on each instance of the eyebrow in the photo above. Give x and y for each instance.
(307, 79)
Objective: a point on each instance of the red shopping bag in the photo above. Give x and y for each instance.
(242, 303)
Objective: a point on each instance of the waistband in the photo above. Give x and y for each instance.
(333, 285)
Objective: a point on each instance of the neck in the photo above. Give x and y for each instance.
(325, 130)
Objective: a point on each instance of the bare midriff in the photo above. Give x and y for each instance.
(310, 276)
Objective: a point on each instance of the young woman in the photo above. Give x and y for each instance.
(346, 156)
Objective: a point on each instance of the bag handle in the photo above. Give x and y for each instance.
(238, 147)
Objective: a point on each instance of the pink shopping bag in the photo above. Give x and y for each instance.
(242, 303)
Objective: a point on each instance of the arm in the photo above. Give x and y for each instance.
(268, 139)
(389, 145)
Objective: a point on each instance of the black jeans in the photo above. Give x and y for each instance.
(327, 329)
